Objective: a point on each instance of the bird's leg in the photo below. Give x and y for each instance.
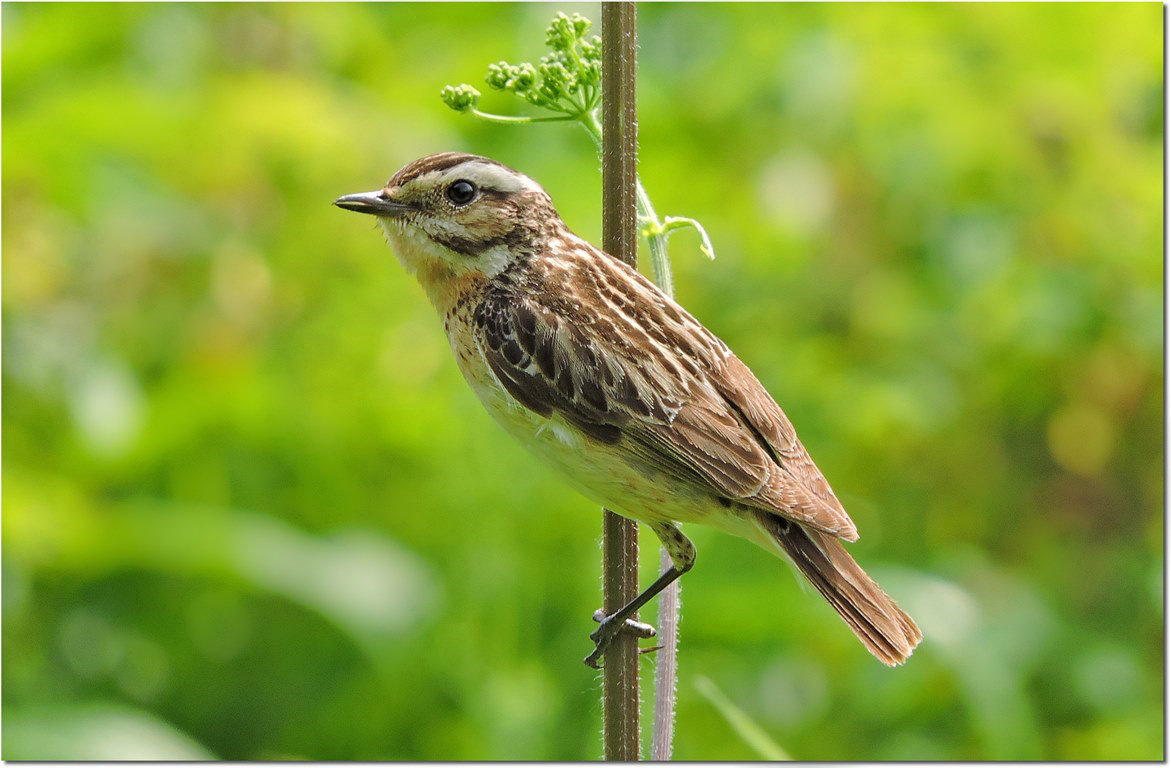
(682, 553)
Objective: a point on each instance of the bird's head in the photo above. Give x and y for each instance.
(454, 217)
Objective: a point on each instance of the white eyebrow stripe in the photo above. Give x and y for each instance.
(428, 179)
(490, 176)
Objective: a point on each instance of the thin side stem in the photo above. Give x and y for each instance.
(667, 659)
(666, 667)
(518, 119)
(620, 732)
(657, 243)
(656, 233)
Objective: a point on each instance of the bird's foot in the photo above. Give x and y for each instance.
(608, 629)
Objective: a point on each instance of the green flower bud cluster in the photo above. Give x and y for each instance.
(567, 80)
(509, 77)
(461, 98)
(566, 32)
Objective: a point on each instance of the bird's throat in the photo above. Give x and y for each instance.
(443, 283)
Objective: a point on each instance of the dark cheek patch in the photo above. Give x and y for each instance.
(495, 225)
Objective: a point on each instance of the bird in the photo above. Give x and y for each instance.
(599, 373)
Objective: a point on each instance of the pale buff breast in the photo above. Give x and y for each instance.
(595, 469)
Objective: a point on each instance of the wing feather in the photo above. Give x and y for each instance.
(800, 481)
(659, 385)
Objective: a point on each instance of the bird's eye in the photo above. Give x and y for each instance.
(461, 192)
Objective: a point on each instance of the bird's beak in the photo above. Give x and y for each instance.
(371, 202)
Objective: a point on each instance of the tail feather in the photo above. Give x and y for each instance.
(885, 630)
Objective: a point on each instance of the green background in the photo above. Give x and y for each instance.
(252, 511)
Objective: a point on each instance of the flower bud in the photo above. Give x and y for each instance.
(560, 35)
(581, 25)
(498, 75)
(461, 97)
(522, 77)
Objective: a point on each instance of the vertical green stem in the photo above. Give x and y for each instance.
(620, 731)
(657, 243)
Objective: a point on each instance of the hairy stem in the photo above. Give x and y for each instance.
(620, 731)
(666, 661)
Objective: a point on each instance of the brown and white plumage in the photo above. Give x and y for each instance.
(600, 373)
(638, 372)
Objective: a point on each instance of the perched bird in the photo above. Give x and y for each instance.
(599, 373)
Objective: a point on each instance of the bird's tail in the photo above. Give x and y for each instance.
(885, 630)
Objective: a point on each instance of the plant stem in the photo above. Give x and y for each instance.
(518, 119)
(666, 666)
(657, 243)
(666, 661)
(655, 235)
(620, 732)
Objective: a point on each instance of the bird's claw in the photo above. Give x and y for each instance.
(608, 629)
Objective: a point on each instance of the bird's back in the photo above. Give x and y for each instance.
(580, 342)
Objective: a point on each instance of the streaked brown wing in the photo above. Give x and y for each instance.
(715, 431)
(744, 392)
(609, 384)
(659, 386)
(551, 365)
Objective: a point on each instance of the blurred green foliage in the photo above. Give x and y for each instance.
(252, 511)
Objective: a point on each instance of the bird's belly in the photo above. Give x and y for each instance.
(598, 470)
